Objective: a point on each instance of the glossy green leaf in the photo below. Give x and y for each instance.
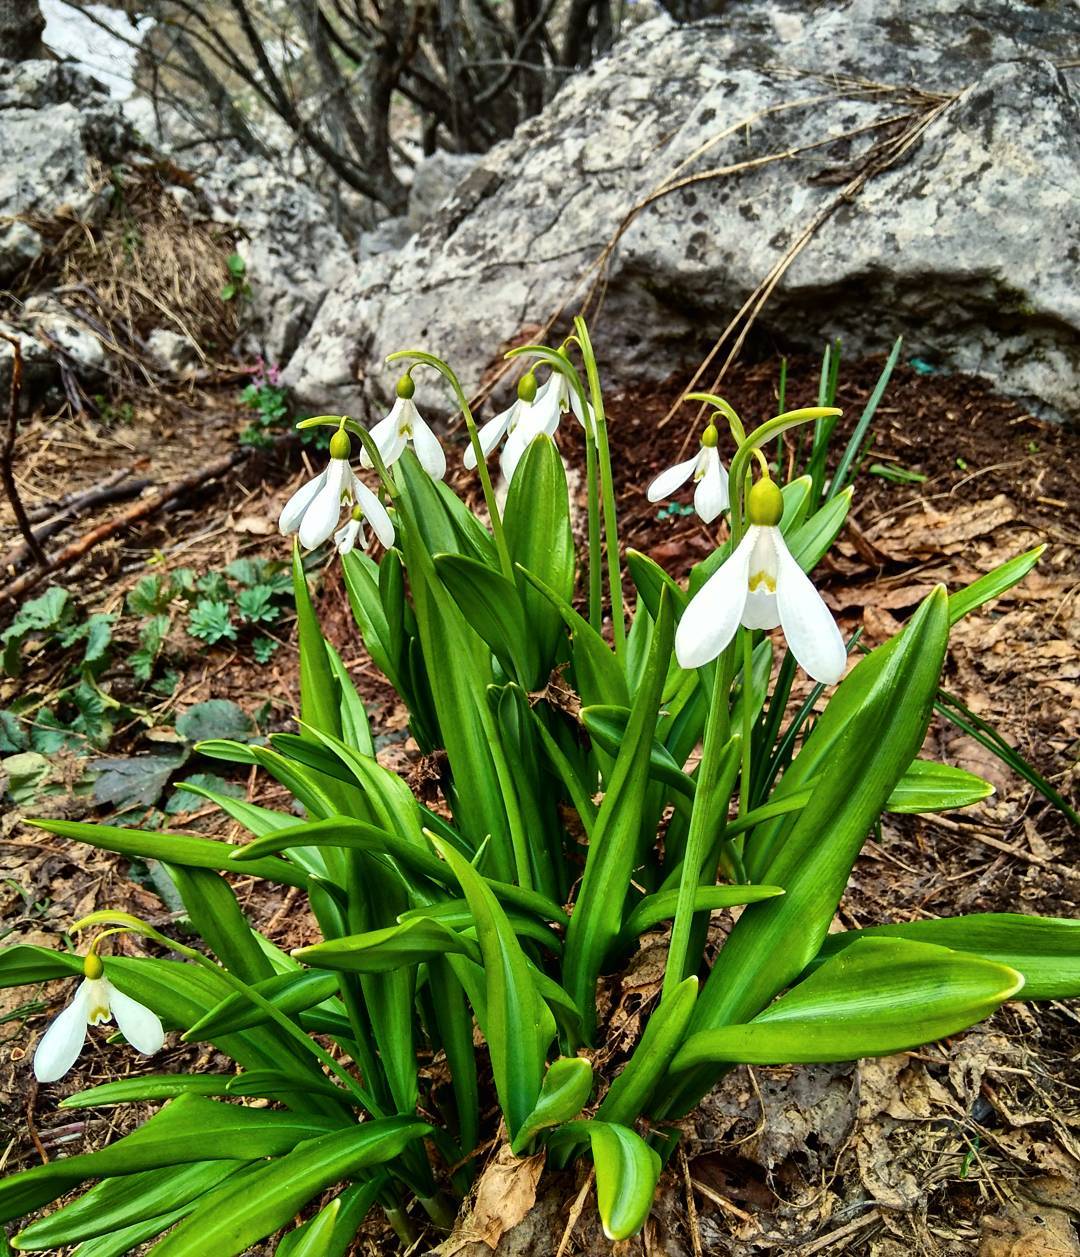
(518, 1026)
(627, 1171)
(632, 1090)
(536, 520)
(119, 1202)
(492, 606)
(387, 949)
(317, 1239)
(661, 907)
(205, 853)
(275, 1195)
(598, 916)
(607, 727)
(875, 997)
(563, 1094)
(385, 644)
(1046, 950)
(993, 584)
(927, 786)
(599, 676)
(189, 1129)
(868, 734)
(288, 992)
(148, 1087)
(217, 919)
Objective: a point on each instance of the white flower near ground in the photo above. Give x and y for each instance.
(314, 510)
(405, 424)
(710, 478)
(760, 585)
(96, 1002)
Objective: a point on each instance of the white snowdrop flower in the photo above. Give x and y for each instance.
(96, 1001)
(711, 493)
(403, 424)
(314, 510)
(761, 585)
(533, 411)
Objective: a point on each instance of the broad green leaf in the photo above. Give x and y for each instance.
(563, 1094)
(199, 853)
(1046, 950)
(275, 1195)
(868, 734)
(598, 916)
(217, 919)
(607, 727)
(650, 580)
(536, 521)
(288, 992)
(996, 582)
(317, 1239)
(148, 1087)
(627, 1170)
(216, 718)
(633, 1088)
(518, 1026)
(599, 676)
(930, 787)
(388, 949)
(119, 1202)
(661, 907)
(355, 727)
(492, 606)
(385, 643)
(319, 701)
(189, 1129)
(875, 997)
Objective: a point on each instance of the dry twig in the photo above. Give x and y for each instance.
(7, 455)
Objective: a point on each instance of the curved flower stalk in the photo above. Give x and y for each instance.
(402, 426)
(760, 585)
(709, 475)
(314, 509)
(96, 1001)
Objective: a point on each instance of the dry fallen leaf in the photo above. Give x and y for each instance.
(504, 1194)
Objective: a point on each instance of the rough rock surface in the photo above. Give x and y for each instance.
(55, 122)
(294, 254)
(967, 245)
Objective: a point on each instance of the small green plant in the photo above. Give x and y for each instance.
(568, 830)
(265, 396)
(237, 288)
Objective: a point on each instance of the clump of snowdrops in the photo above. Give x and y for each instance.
(603, 776)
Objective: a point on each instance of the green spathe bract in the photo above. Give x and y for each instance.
(565, 816)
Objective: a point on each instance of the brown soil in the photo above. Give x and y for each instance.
(964, 1147)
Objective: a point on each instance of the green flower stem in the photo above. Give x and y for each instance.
(746, 781)
(418, 355)
(557, 360)
(607, 487)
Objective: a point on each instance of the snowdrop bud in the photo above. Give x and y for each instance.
(710, 437)
(340, 445)
(526, 389)
(765, 503)
(92, 966)
(405, 387)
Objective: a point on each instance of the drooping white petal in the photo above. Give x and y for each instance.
(348, 534)
(62, 1042)
(521, 437)
(141, 1027)
(389, 435)
(712, 617)
(321, 517)
(428, 450)
(671, 480)
(293, 511)
(808, 625)
(546, 411)
(491, 433)
(711, 494)
(579, 414)
(375, 514)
